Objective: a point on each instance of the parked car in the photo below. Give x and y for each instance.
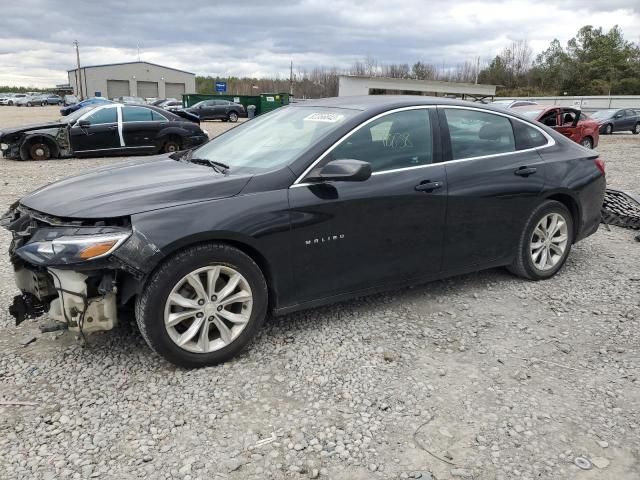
(131, 100)
(570, 122)
(218, 110)
(84, 103)
(70, 100)
(28, 100)
(50, 99)
(161, 101)
(512, 103)
(310, 204)
(151, 100)
(617, 120)
(103, 129)
(171, 105)
(12, 99)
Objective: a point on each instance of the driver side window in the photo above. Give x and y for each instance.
(398, 140)
(102, 116)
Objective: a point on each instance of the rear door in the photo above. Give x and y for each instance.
(140, 127)
(494, 176)
(351, 236)
(101, 136)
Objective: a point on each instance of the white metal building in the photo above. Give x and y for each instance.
(138, 79)
(350, 85)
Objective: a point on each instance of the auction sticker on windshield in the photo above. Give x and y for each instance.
(324, 117)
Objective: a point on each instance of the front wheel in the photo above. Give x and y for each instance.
(40, 151)
(608, 129)
(170, 146)
(636, 129)
(29, 104)
(545, 242)
(203, 306)
(587, 142)
(43, 104)
(232, 117)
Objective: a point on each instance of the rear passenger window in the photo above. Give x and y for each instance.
(157, 117)
(527, 136)
(475, 134)
(136, 114)
(397, 140)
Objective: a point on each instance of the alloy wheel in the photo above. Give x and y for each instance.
(208, 309)
(233, 117)
(636, 129)
(608, 129)
(549, 241)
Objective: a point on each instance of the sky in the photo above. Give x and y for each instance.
(261, 38)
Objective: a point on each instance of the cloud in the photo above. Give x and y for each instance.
(258, 39)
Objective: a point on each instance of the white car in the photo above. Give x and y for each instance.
(12, 98)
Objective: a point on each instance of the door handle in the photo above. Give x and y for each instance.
(113, 127)
(428, 186)
(525, 171)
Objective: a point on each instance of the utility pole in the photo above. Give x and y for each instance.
(138, 44)
(477, 69)
(291, 80)
(78, 74)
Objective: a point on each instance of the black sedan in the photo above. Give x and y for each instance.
(105, 129)
(218, 110)
(307, 205)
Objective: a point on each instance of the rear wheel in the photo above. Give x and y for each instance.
(545, 242)
(39, 150)
(608, 129)
(43, 104)
(29, 104)
(232, 117)
(171, 145)
(587, 142)
(636, 129)
(203, 306)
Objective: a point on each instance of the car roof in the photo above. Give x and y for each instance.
(378, 102)
(542, 108)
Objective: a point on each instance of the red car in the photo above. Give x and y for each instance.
(568, 121)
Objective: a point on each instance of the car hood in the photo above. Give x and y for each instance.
(119, 191)
(29, 128)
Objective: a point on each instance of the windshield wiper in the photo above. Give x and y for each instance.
(217, 166)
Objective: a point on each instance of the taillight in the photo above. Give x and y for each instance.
(600, 165)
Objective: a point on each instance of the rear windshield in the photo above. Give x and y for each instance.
(603, 114)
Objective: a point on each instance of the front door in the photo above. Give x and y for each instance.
(101, 135)
(351, 236)
(495, 176)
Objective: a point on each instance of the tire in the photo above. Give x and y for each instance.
(587, 142)
(523, 265)
(171, 145)
(40, 151)
(232, 117)
(29, 104)
(10, 103)
(43, 104)
(154, 305)
(636, 129)
(608, 129)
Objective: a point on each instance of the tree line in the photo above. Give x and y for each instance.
(593, 62)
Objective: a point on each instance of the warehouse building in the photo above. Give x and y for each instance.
(359, 85)
(138, 79)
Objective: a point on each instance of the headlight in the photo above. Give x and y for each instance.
(68, 250)
(4, 146)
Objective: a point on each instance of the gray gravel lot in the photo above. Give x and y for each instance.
(481, 376)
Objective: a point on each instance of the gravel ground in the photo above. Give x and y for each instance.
(481, 376)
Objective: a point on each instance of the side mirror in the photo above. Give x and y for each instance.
(84, 123)
(618, 115)
(344, 170)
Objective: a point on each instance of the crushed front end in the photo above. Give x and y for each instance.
(65, 267)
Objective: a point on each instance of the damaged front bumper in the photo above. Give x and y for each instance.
(64, 267)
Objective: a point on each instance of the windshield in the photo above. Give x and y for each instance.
(502, 101)
(275, 139)
(603, 114)
(72, 117)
